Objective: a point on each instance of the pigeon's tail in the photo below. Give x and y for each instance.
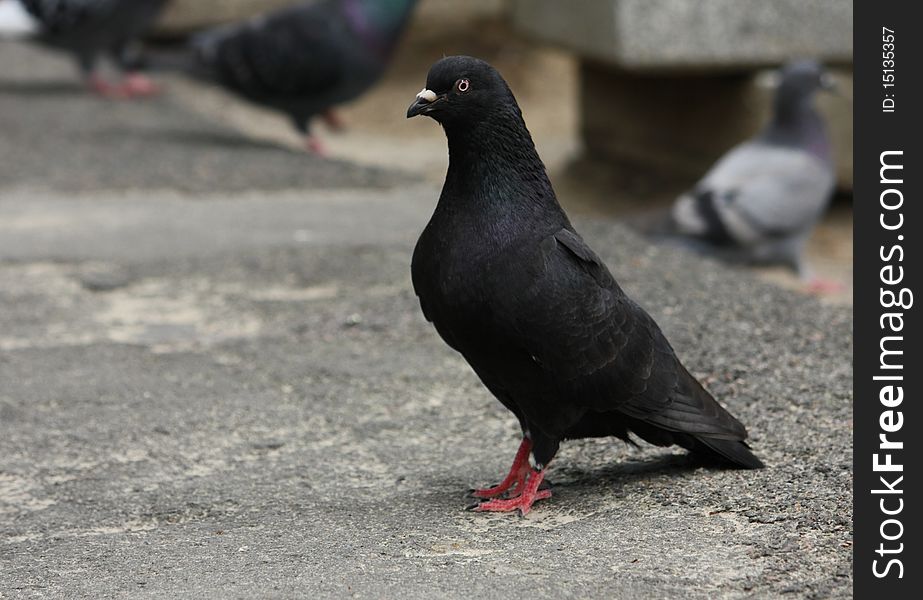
(728, 451)
(687, 216)
(15, 20)
(734, 451)
(695, 421)
(693, 216)
(699, 214)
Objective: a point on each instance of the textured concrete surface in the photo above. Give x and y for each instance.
(639, 56)
(183, 15)
(707, 34)
(211, 390)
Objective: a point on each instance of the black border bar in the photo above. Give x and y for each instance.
(888, 446)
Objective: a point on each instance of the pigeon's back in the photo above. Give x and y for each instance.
(302, 59)
(758, 192)
(91, 26)
(286, 53)
(65, 16)
(139, 17)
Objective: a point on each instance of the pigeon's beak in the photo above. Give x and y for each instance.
(421, 105)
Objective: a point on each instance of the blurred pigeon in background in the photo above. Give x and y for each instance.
(508, 283)
(759, 203)
(89, 29)
(306, 59)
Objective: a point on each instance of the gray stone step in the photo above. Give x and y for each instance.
(706, 34)
(670, 83)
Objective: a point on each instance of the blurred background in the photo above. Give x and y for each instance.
(629, 101)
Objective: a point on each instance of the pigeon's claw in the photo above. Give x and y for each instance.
(510, 487)
(523, 502)
(103, 88)
(823, 287)
(314, 145)
(136, 85)
(516, 477)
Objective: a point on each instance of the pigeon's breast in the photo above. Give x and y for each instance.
(451, 278)
(450, 273)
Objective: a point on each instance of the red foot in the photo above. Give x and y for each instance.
(313, 145)
(104, 89)
(523, 502)
(333, 120)
(822, 287)
(136, 85)
(517, 475)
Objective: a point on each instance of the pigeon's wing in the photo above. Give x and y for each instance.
(757, 192)
(291, 53)
(599, 349)
(63, 16)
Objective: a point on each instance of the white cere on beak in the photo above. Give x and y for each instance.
(428, 95)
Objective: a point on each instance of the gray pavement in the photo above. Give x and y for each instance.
(216, 382)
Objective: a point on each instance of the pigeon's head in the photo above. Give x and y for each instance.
(462, 90)
(801, 78)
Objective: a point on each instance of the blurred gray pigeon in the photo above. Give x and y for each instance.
(305, 59)
(89, 29)
(759, 203)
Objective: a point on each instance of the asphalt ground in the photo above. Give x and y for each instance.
(215, 381)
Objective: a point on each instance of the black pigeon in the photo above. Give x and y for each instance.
(89, 29)
(762, 199)
(509, 284)
(305, 59)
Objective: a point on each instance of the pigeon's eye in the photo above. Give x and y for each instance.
(462, 85)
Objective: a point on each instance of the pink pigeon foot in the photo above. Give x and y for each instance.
(104, 89)
(515, 479)
(523, 502)
(314, 145)
(822, 287)
(136, 85)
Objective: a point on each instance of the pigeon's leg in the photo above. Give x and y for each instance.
(136, 85)
(100, 86)
(524, 501)
(333, 120)
(814, 284)
(822, 287)
(95, 82)
(128, 58)
(314, 145)
(517, 475)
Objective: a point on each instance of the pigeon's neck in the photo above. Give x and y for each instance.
(378, 22)
(495, 173)
(796, 123)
